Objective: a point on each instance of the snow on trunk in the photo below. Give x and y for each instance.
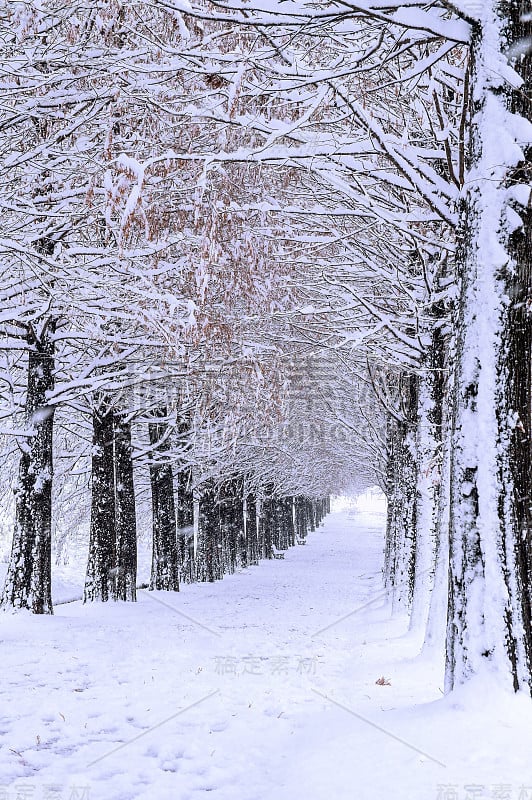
(126, 525)
(28, 582)
(485, 621)
(165, 555)
(426, 451)
(100, 577)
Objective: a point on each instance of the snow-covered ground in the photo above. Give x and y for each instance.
(259, 687)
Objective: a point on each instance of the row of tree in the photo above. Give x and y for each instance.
(286, 246)
(138, 302)
(414, 120)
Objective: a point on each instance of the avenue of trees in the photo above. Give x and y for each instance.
(255, 253)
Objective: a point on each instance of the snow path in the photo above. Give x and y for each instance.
(261, 686)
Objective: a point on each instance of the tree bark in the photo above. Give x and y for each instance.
(100, 577)
(28, 582)
(301, 519)
(126, 522)
(252, 538)
(209, 557)
(288, 529)
(516, 358)
(429, 452)
(489, 611)
(402, 479)
(231, 523)
(185, 498)
(165, 556)
(267, 524)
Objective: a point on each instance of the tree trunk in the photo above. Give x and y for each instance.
(300, 517)
(517, 341)
(310, 515)
(185, 524)
(319, 511)
(209, 556)
(428, 449)
(489, 613)
(288, 529)
(261, 529)
(267, 525)
(165, 556)
(126, 523)
(391, 504)
(185, 498)
(252, 539)
(402, 479)
(231, 523)
(278, 522)
(100, 577)
(28, 582)
(437, 616)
